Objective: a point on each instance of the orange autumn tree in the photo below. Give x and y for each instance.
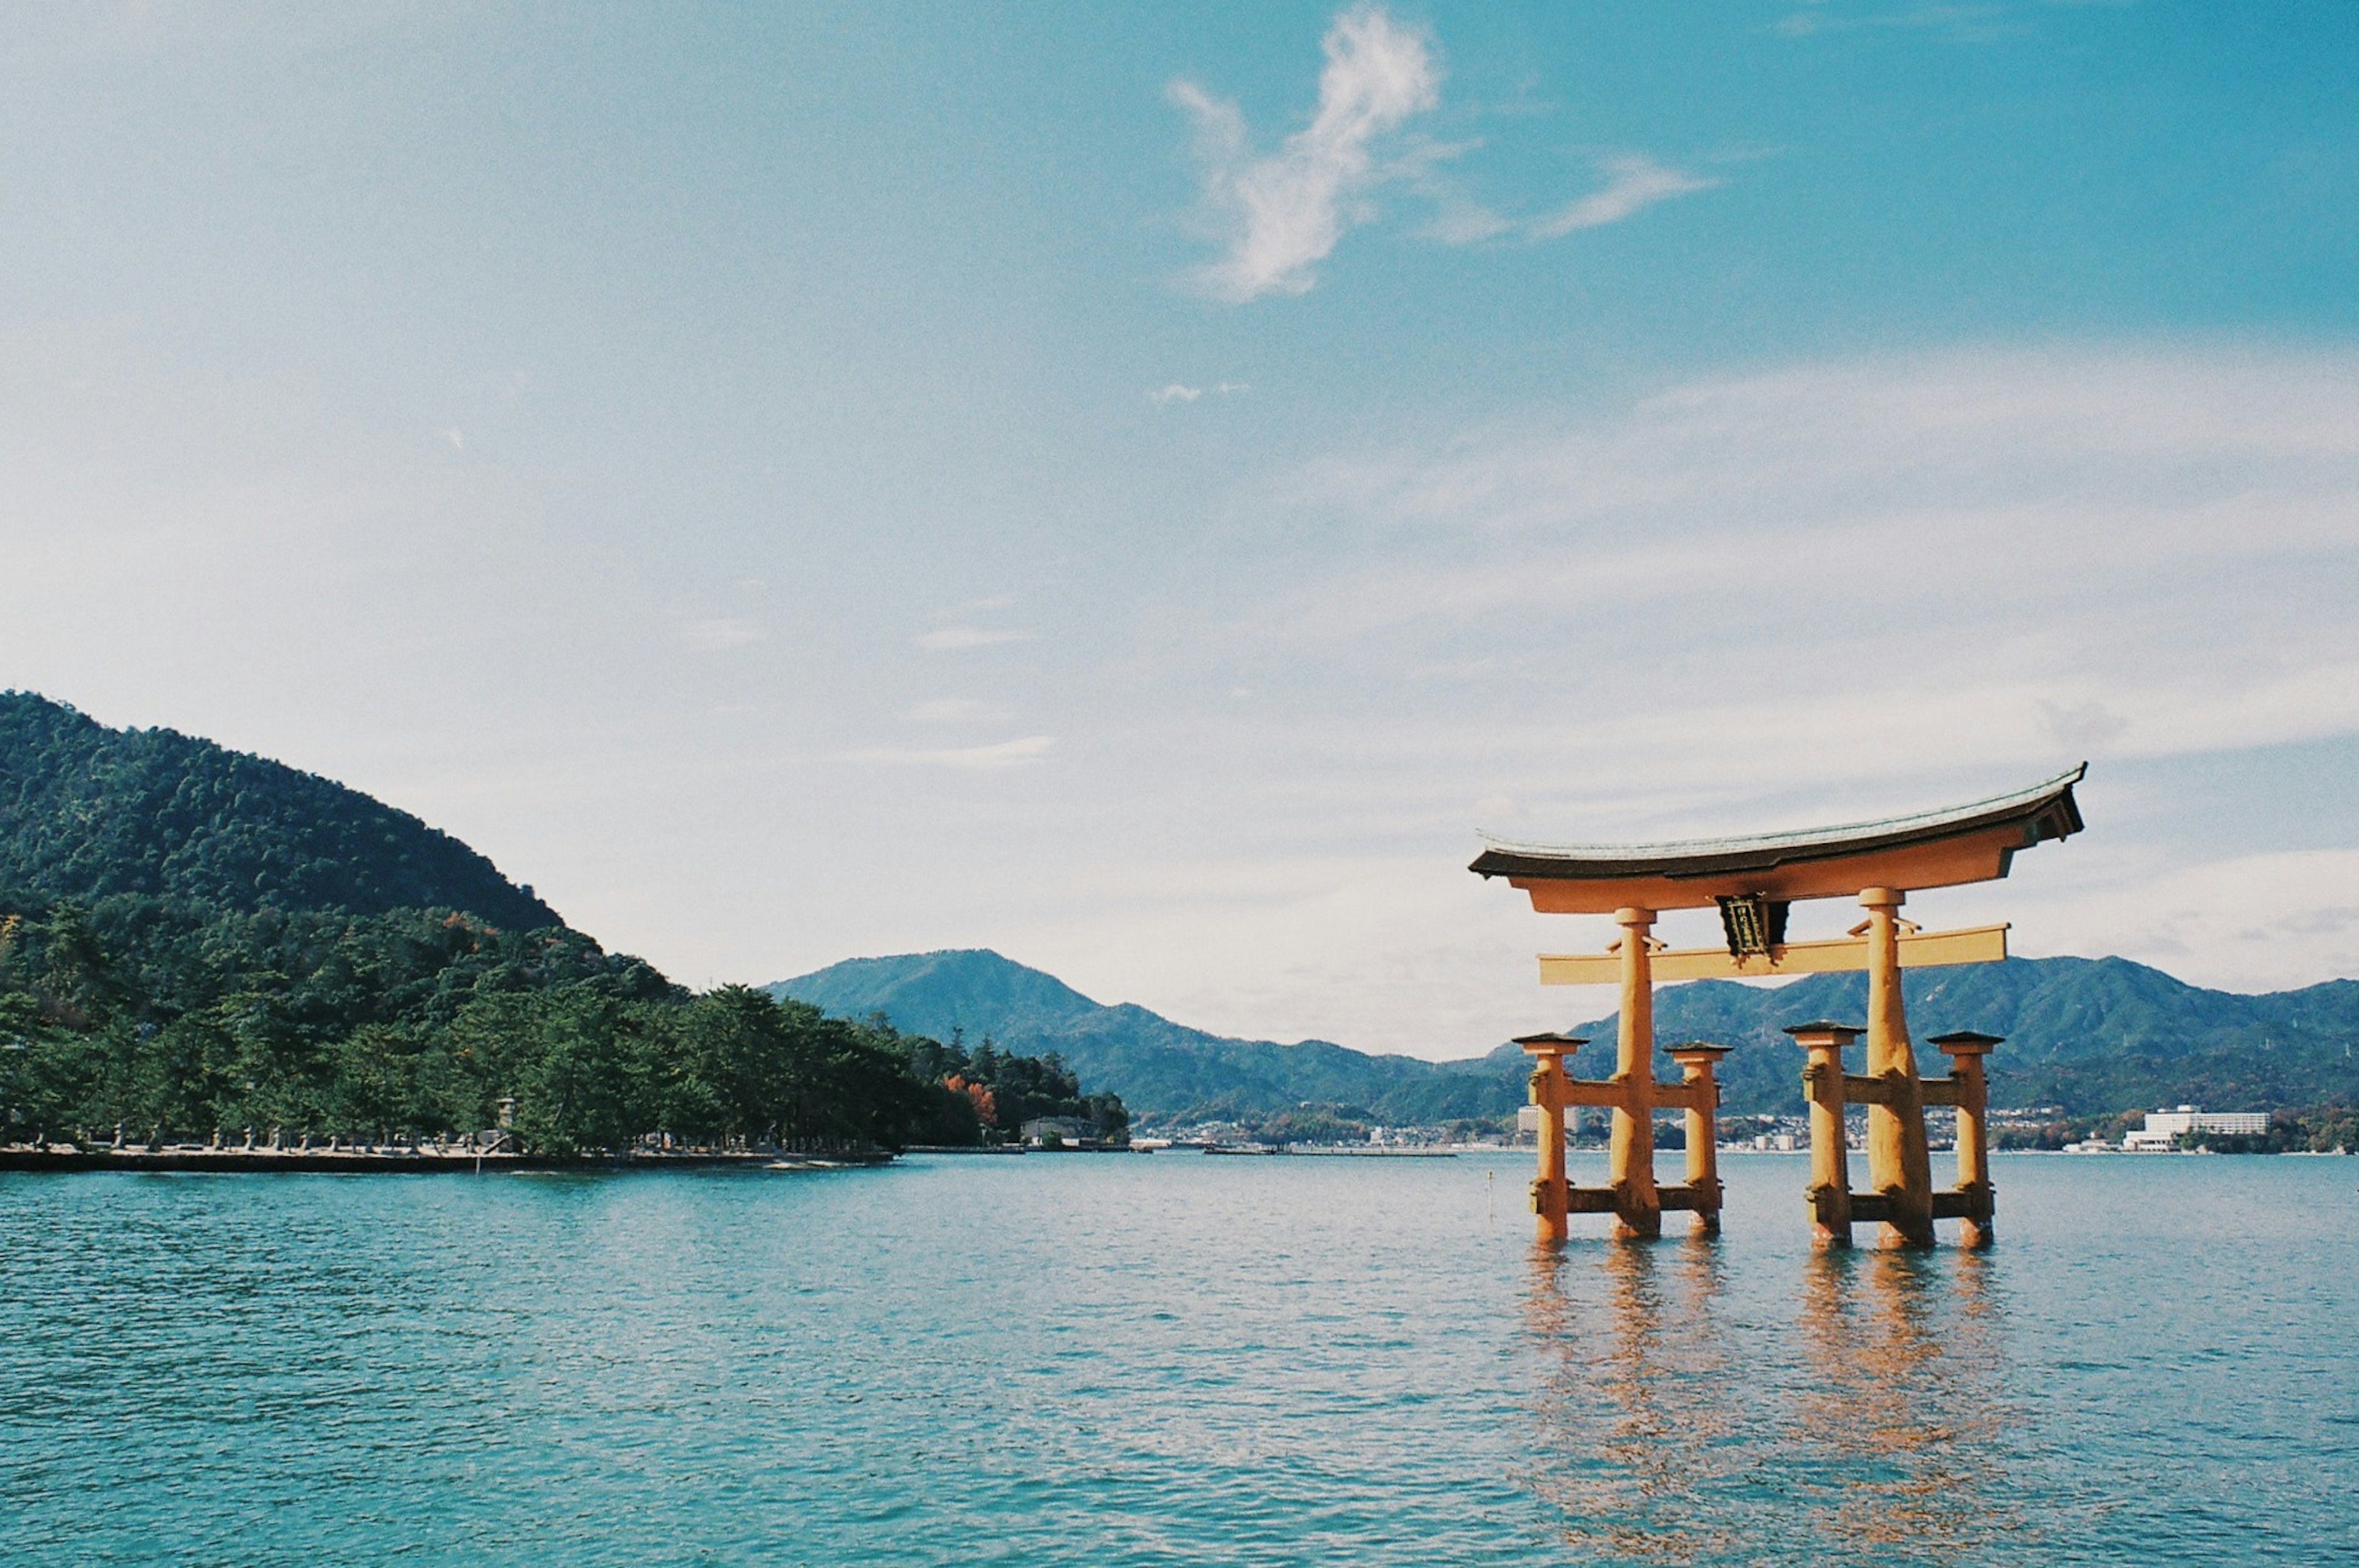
(985, 1108)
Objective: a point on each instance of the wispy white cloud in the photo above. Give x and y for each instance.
(2248, 922)
(2016, 557)
(998, 755)
(1180, 393)
(958, 639)
(1458, 220)
(1284, 212)
(1633, 182)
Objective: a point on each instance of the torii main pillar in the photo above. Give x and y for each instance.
(1898, 1163)
(1754, 882)
(1630, 1146)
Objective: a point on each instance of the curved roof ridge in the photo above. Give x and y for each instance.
(1793, 838)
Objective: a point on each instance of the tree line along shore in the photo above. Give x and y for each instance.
(160, 1022)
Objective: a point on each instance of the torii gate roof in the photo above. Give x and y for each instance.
(1971, 843)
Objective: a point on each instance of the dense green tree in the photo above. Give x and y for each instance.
(584, 1084)
(196, 942)
(91, 812)
(172, 1020)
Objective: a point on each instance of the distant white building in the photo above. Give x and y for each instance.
(2164, 1128)
(1070, 1131)
(1527, 1120)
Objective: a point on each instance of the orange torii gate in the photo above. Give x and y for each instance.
(1753, 881)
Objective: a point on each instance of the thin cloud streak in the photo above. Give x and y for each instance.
(1180, 393)
(993, 758)
(1636, 183)
(960, 639)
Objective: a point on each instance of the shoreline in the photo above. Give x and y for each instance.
(61, 1159)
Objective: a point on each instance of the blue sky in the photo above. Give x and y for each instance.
(1138, 487)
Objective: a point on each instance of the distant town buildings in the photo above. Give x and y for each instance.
(2164, 1128)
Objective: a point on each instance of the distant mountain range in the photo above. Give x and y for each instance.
(2090, 1035)
(87, 812)
(1159, 1068)
(164, 832)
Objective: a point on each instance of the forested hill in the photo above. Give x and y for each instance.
(2093, 1037)
(87, 812)
(196, 943)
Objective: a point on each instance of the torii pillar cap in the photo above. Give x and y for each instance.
(1701, 1050)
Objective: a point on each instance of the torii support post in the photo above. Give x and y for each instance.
(1630, 1159)
(1551, 1093)
(1633, 1198)
(1897, 1164)
(1970, 1082)
(1699, 1063)
(1822, 1085)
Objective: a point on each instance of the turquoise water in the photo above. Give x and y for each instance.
(1166, 1359)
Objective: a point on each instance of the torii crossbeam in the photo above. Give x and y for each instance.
(1752, 881)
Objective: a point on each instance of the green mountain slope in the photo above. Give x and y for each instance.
(87, 812)
(2091, 1035)
(1163, 1068)
(196, 943)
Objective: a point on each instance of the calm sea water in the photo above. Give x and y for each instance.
(1167, 1359)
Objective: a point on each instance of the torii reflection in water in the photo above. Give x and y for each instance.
(1635, 1428)
(1676, 1424)
(1900, 1413)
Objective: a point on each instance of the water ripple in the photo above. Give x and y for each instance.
(1167, 1360)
